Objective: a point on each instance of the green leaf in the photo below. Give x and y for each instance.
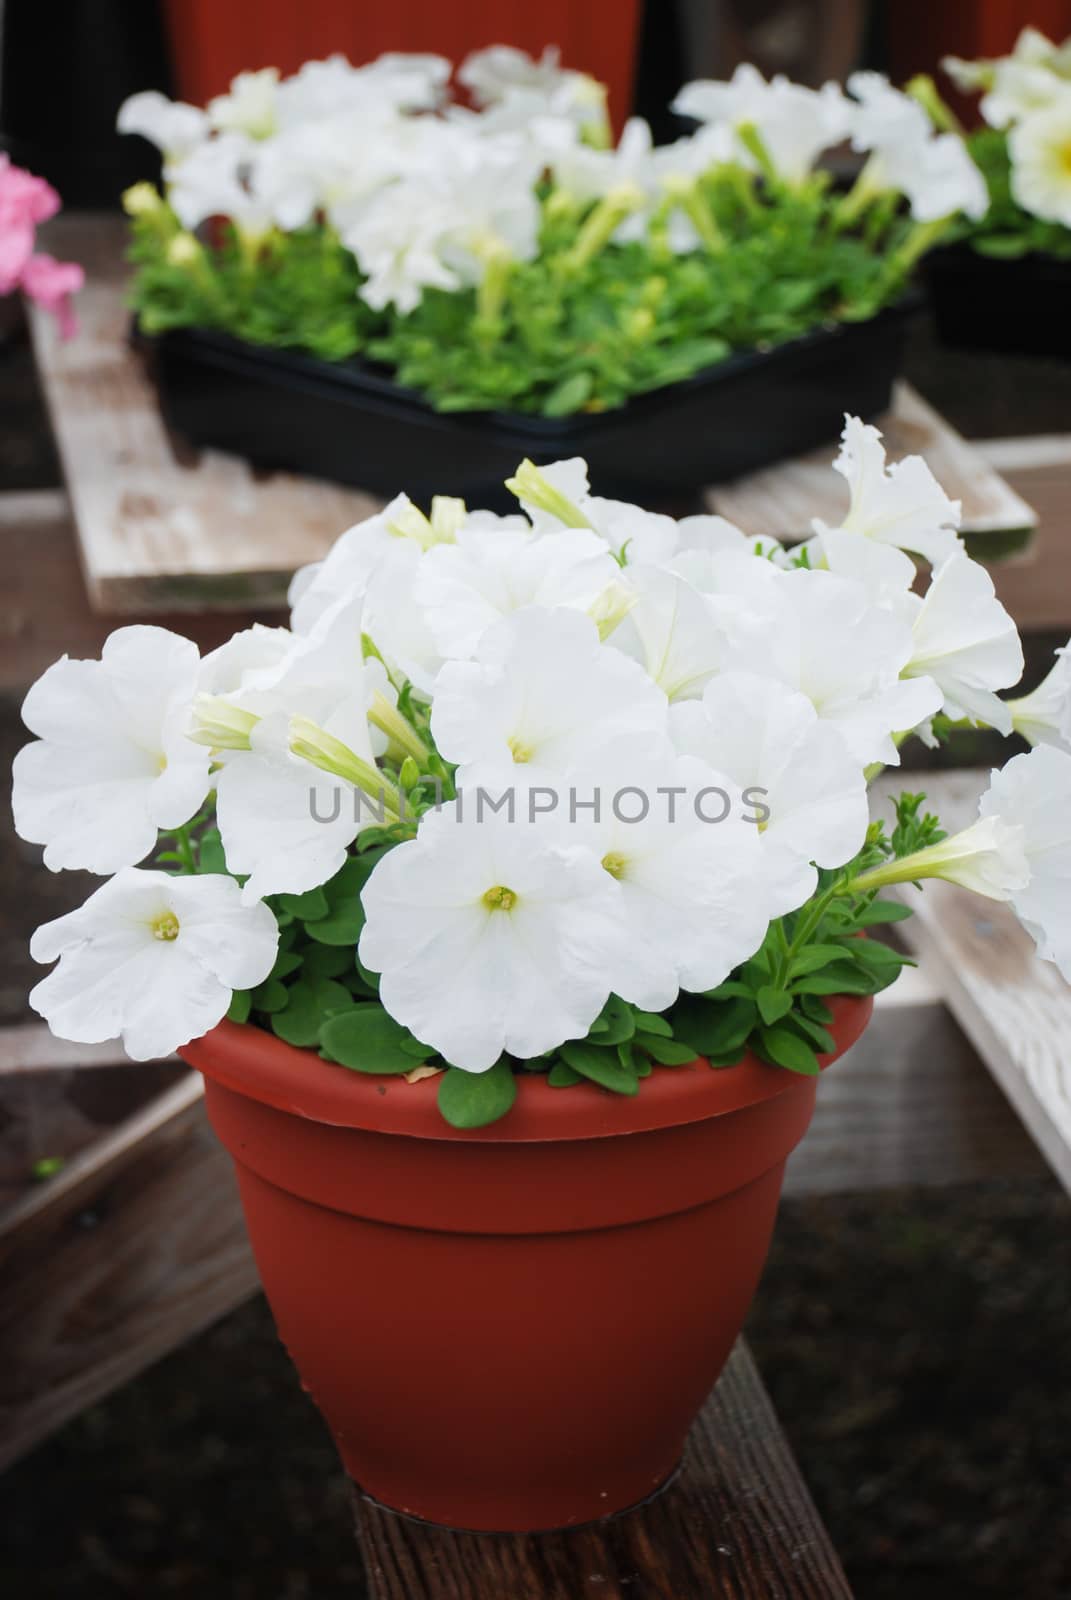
(600, 1066)
(815, 1008)
(786, 1049)
(819, 1037)
(240, 1006)
(667, 1052)
(345, 917)
(731, 989)
(614, 1024)
(882, 911)
(326, 961)
(652, 1022)
(562, 1077)
(287, 962)
(307, 907)
(365, 1039)
(569, 396)
(813, 957)
(838, 978)
(310, 1002)
(473, 1099)
(773, 1003)
(714, 1028)
(210, 854)
(269, 996)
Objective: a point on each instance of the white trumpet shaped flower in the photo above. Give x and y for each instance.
(672, 632)
(901, 505)
(540, 692)
(152, 960)
(1040, 150)
(1033, 793)
(964, 640)
(172, 126)
(1044, 715)
(771, 745)
(490, 936)
(112, 764)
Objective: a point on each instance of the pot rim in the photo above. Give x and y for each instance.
(252, 1062)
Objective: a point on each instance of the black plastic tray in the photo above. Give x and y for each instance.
(285, 410)
(1017, 306)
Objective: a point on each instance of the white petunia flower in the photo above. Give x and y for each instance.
(250, 105)
(769, 742)
(284, 826)
(934, 171)
(886, 573)
(350, 562)
(967, 643)
(539, 694)
(671, 832)
(820, 634)
(901, 505)
(1044, 715)
(210, 182)
(152, 960)
(795, 123)
(172, 126)
(225, 669)
(112, 764)
(672, 631)
(1033, 793)
(490, 572)
(1040, 150)
(489, 936)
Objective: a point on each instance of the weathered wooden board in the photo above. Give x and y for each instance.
(1014, 1008)
(1037, 590)
(156, 530)
(738, 1524)
(783, 499)
(136, 1246)
(46, 613)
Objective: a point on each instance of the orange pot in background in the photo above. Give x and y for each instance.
(212, 42)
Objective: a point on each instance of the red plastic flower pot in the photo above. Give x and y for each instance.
(510, 1328)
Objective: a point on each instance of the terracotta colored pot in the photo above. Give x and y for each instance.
(511, 1328)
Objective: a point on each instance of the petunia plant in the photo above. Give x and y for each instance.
(500, 251)
(1023, 149)
(579, 791)
(25, 202)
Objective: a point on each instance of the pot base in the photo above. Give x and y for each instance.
(362, 1495)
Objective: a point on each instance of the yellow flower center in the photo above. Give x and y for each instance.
(161, 762)
(615, 863)
(165, 927)
(500, 898)
(520, 751)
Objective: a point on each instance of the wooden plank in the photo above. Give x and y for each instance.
(1037, 592)
(156, 530)
(911, 1103)
(138, 1245)
(738, 1523)
(1014, 1007)
(783, 499)
(46, 611)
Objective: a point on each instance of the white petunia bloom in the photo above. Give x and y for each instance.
(112, 764)
(820, 634)
(672, 631)
(350, 562)
(795, 123)
(492, 571)
(769, 742)
(250, 105)
(284, 825)
(671, 833)
(152, 960)
(172, 126)
(1033, 793)
(934, 171)
(901, 505)
(210, 182)
(225, 669)
(490, 936)
(966, 642)
(886, 573)
(540, 693)
(1044, 715)
(1040, 150)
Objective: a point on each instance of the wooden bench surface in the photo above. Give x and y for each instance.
(163, 528)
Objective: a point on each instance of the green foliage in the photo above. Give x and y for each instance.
(567, 338)
(1007, 231)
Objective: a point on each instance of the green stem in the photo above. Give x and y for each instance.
(601, 224)
(184, 847)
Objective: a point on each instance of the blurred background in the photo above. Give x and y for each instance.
(915, 1343)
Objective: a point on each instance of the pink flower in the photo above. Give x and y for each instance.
(24, 198)
(51, 284)
(16, 248)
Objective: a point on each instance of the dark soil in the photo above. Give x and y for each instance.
(915, 1344)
